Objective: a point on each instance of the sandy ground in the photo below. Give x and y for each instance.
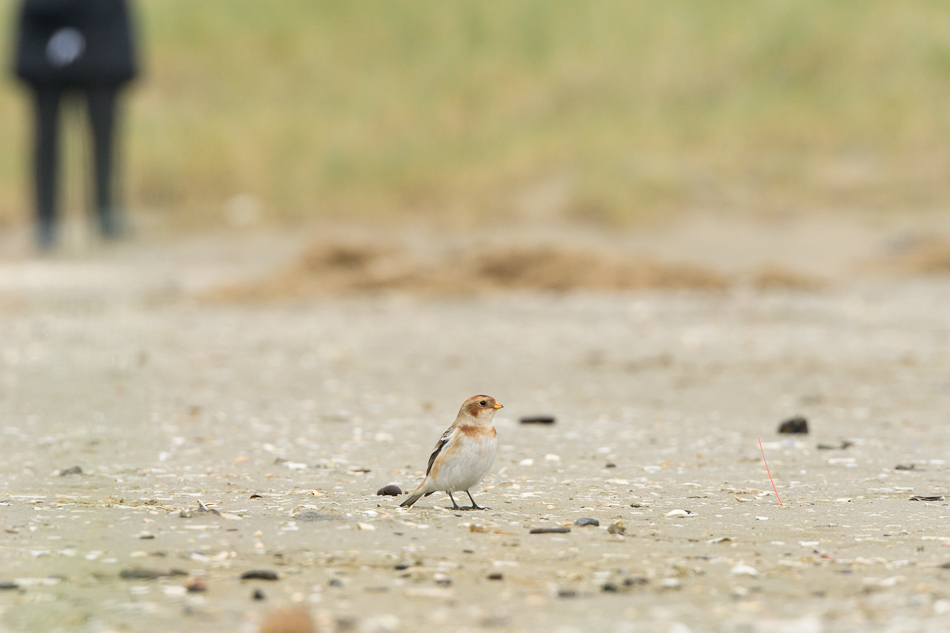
(285, 418)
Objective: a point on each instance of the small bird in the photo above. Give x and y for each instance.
(463, 455)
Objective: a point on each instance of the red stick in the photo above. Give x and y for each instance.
(770, 474)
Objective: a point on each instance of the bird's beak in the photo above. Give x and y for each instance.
(498, 405)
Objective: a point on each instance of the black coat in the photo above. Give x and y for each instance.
(75, 43)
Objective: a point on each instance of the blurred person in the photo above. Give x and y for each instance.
(74, 46)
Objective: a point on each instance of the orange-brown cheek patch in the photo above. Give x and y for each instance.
(473, 409)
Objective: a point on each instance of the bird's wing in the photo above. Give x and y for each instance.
(439, 446)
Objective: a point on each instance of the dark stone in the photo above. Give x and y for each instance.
(389, 491)
(258, 595)
(609, 587)
(554, 530)
(75, 470)
(402, 566)
(335, 582)
(922, 498)
(495, 576)
(906, 467)
(798, 424)
(610, 465)
(259, 574)
(256, 496)
(7, 584)
(538, 419)
(831, 447)
(566, 593)
(585, 521)
(635, 581)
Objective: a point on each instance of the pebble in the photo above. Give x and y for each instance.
(635, 581)
(259, 574)
(138, 573)
(538, 419)
(75, 470)
(389, 491)
(798, 424)
(310, 515)
(585, 521)
(195, 585)
(293, 619)
(7, 585)
(554, 530)
(744, 570)
(922, 498)
(609, 587)
(672, 514)
(258, 595)
(496, 576)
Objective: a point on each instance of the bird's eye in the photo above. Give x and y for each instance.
(483, 403)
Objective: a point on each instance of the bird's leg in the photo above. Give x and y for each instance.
(475, 506)
(455, 506)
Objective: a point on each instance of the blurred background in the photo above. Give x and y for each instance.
(459, 113)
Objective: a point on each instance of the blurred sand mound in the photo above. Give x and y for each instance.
(921, 257)
(361, 267)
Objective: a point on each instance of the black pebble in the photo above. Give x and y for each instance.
(798, 424)
(335, 582)
(389, 491)
(6, 584)
(75, 470)
(402, 566)
(538, 419)
(258, 595)
(495, 576)
(584, 521)
(258, 574)
(609, 587)
(636, 580)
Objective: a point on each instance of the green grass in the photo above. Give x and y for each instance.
(463, 110)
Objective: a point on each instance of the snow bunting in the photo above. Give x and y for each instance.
(463, 455)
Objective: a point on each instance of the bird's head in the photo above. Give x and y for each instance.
(480, 408)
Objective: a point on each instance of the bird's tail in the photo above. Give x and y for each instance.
(411, 500)
(418, 493)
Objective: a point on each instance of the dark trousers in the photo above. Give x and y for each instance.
(102, 109)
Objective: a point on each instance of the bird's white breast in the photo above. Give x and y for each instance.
(466, 461)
